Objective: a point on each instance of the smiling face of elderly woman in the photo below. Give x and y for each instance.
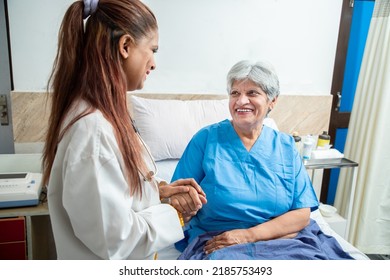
(248, 105)
(253, 91)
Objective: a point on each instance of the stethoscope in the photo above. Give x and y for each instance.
(151, 174)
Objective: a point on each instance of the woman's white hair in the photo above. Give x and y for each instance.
(261, 73)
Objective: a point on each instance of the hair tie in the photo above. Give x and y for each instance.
(90, 7)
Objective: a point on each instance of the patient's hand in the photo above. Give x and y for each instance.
(185, 195)
(228, 238)
(188, 203)
(286, 225)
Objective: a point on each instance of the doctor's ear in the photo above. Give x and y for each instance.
(125, 44)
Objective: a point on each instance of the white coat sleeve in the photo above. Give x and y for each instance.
(97, 201)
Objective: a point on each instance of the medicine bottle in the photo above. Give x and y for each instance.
(308, 146)
(323, 140)
(298, 142)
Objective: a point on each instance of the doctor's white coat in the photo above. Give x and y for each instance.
(92, 214)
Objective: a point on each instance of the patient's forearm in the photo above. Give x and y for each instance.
(284, 226)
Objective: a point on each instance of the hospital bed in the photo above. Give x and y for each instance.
(167, 122)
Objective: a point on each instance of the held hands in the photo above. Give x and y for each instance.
(185, 195)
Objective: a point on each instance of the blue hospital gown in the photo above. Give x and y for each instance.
(243, 188)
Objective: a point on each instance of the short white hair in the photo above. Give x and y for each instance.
(261, 73)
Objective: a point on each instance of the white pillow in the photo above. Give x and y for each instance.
(270, 123)
(168, 125)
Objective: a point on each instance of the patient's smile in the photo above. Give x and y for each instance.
(244, 110)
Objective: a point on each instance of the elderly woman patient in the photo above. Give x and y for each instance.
(256, 184)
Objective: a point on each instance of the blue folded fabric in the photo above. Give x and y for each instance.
(310, 244)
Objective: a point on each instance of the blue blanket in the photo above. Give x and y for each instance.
(310, 244)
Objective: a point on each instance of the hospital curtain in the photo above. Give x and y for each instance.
(368, 143)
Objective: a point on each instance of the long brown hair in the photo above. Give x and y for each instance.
(88, 67)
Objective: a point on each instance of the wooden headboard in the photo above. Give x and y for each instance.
(302, 113)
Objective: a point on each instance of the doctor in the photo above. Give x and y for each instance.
(103, 196)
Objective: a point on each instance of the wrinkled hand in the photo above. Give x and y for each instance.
(188, 203)
(185, 195)
(228, 238)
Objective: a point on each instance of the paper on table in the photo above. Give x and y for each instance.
(323, 154)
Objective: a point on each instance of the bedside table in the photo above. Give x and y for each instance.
(315, 164)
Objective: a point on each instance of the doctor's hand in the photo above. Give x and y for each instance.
(188, 203)
(185, 195)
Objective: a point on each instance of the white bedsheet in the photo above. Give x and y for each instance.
(165, 171)
(348, 247)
